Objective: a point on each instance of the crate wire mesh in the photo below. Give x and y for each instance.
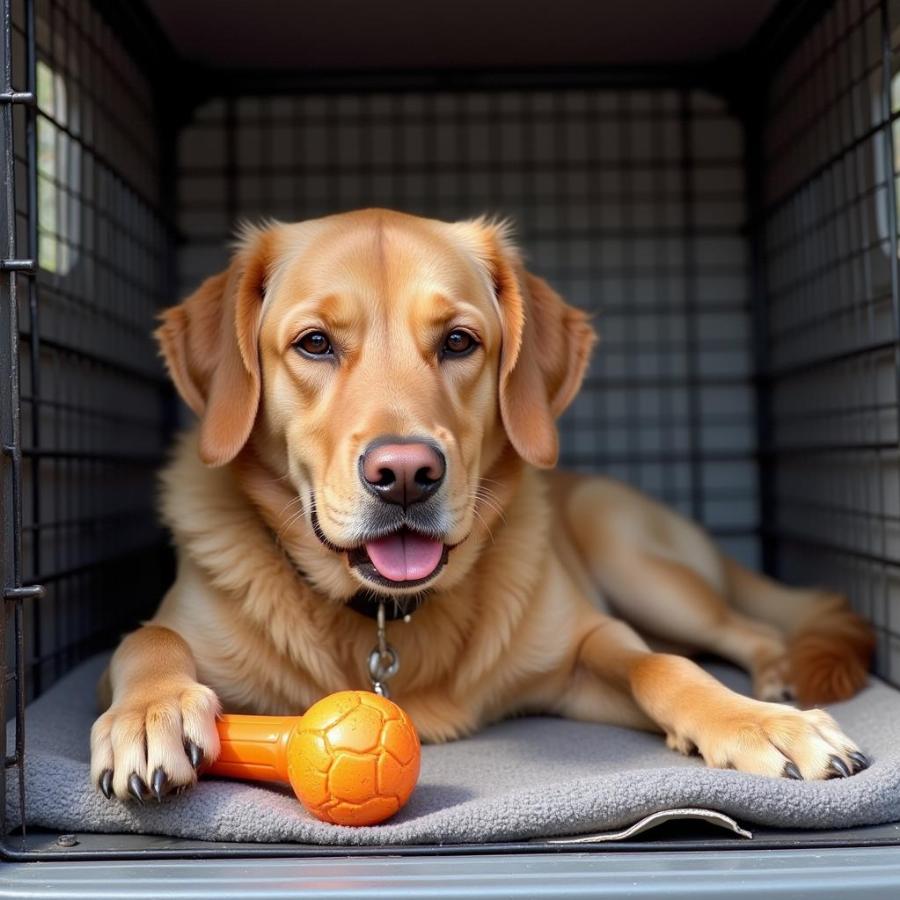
(832, 368)
(17, 110)
(86, 407)
(741, 258)
(95, 414)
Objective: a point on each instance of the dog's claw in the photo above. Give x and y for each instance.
(860, 761)
(158, 784)
(106, 783)
(136, 787)
(195, 754)
(791, 771)
(839, 767)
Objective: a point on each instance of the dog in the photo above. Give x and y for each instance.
(377, 396)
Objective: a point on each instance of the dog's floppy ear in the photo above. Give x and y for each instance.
(209, 343)
(546, 349)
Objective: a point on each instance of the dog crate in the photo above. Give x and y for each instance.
(717, 182)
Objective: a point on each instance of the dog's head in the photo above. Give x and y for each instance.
(382, 364)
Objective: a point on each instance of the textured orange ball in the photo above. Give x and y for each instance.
(353, 758)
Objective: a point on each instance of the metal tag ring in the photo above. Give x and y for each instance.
(383, 665)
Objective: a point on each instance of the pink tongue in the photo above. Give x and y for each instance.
(405, 556)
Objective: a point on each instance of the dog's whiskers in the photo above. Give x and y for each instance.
(490, 502)
(487, 492)
(293, 500)
(483, 524)
(286, 526)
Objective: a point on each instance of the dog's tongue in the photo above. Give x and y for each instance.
(405, 556)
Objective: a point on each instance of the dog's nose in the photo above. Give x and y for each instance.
(402, 473)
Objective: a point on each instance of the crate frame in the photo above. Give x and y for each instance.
(178, 92)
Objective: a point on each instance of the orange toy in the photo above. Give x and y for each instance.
(352, 759)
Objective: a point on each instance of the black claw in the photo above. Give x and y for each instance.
(860, 761)
(791, 771)
(136, 787)
(839, 767)
(787, 694)
(195, 754)
(106, 783)
(158, 784)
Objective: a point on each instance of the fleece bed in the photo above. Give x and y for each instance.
(535, 777)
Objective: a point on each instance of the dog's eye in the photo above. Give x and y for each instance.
(314, 343)
(459, 343)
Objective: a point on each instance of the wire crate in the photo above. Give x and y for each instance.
(733, 225)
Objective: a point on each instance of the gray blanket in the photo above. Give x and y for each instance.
(532, 777)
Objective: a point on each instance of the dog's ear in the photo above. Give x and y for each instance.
(209, 343)
(546, 349)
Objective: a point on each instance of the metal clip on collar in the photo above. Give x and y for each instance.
(383, 660)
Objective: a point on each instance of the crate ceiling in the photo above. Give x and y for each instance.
(400, 34)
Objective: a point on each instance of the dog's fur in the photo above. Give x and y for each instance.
(529, 613)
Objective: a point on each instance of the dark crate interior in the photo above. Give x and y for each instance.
(721, 195)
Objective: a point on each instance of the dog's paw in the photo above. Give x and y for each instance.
(153, 741)
(770, 739)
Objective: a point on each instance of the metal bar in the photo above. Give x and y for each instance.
(369, 168)
(28, 592)
(894, 244)
(17, 265)
(752, 114)
(131, 459)
(231, 82)
(8, 414)
(26, 98)
(12, 500)
(690, 232)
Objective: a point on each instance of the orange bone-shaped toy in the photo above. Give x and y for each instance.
(352, 758)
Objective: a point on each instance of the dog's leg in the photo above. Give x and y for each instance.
(160, 724)
(697, 712)
(665, 576)
(670, 601)
(830, 647)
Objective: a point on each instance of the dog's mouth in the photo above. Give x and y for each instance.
(403, 558)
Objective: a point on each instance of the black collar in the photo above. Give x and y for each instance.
(366, 603)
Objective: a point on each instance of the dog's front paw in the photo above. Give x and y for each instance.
(153, 740)
(770, 739)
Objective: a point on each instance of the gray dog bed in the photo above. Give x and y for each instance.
(525, 778)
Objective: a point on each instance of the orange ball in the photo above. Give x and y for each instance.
(353, 758)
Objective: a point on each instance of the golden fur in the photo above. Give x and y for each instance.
(545, 570)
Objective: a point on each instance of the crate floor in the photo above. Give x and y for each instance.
(526, 778)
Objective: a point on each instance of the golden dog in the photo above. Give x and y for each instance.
(377, 394)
